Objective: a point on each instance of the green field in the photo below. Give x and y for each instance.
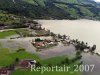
(5, 34)
(53, 61)
(28, 72)
(7, 58)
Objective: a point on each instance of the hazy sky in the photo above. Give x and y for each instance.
(97, 0)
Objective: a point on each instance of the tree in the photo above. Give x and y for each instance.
(63, 62)
(53, 34)
(93, 48)
(50, 65)
(78, 53)
(64, 36)
(77, 58)
(12, 67)
(38, 40)
(17, 60)
(21, 49)
(38, 64)
(59, 36)
(67, 61)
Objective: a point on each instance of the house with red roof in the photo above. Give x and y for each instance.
(27, 63)
(4, 71)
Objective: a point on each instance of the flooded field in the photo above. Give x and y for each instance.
(84, 30)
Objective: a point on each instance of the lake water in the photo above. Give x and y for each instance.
(84, 30)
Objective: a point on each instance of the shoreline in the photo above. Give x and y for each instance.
(46, 26)
(52, 25)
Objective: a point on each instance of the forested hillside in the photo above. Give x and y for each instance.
(53, 9)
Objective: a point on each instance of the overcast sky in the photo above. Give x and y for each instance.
(97, 0)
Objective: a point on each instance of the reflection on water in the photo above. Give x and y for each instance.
(84, 30)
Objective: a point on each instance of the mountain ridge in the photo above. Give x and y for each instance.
(53, 9)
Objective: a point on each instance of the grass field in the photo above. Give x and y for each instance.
(7, 58)
(28, 72)
(7, 33)
(53, 61)
(0, 45)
